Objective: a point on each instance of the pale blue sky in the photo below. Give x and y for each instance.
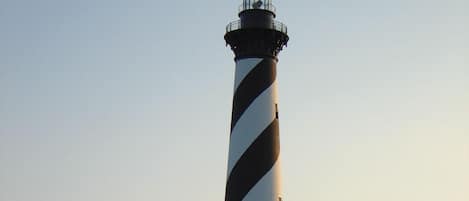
(130, 100)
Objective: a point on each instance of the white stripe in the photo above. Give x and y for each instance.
(243, 67)
(252, 122)
(269, 187)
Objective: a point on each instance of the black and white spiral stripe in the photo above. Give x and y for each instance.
(253, 165)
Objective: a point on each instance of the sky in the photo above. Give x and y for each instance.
(131, 100)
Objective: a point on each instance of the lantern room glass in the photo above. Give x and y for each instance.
(257, 4)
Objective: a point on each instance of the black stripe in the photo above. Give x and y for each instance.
(257, 80)
(258, 159)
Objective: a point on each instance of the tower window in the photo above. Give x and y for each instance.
(276, 116)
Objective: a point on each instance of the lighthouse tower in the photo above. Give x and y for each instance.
(254, 153)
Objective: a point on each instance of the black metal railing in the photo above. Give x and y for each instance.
(257, 4)
(276, 25)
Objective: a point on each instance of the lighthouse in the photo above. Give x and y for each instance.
(254, 149)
